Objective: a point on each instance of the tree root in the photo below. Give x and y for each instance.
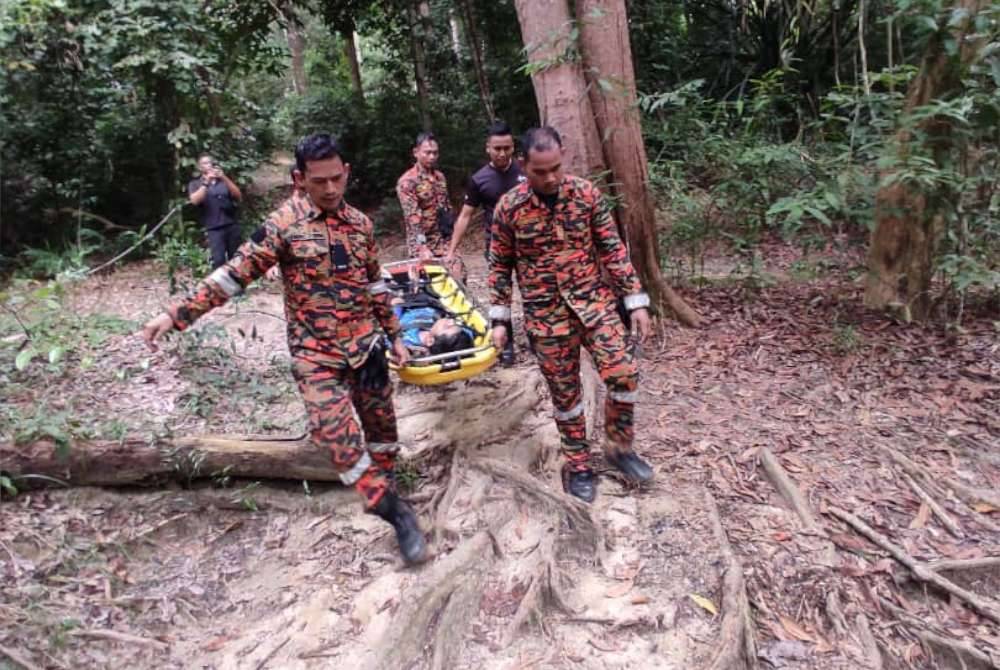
(736, 645)
(969, 494)
(581, 522)
(543, 590)
(444, 504)
(935, 507)
(787, 488)
(985, 606)
(946, 565)
(408, 635)
(930, 637)
(868, 642)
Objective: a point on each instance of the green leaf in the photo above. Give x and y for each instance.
(24, 358)
(55, 354)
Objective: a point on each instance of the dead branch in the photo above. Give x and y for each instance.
(582, 523)
(945, 565)
(115, 636)
(17, 658)
(407, 640)
(985, 606)
(936, 508)
(736, 644)
(271, 654)
(780, 479)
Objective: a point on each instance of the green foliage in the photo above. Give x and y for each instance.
(181, 250)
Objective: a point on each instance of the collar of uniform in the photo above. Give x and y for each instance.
(423, 172)
(337, 214)
(563, 192)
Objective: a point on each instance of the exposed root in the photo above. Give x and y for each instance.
(458, 613)
(946, 565)
(581, 522)
(18, 659)
(985, 606)
(444, 505)
(787, 488)
(406, 639)
(868, 642)
(736, 645)
(934, 638)
(935, 507)
(543, 591)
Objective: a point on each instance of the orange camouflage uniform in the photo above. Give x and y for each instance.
(422, 193)
(558, 254)
(334, 309)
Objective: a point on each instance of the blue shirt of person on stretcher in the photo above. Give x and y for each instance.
(429, 330)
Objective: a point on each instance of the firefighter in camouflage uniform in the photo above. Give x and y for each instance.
(423, 196)
(556, 231)
(336, 306)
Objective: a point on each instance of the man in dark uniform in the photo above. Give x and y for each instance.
(337, 306)
(557, 233)
(485, 187)
(215, 195)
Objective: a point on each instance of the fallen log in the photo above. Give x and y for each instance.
(140, 461)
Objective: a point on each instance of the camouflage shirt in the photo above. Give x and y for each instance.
(422, 194)
(335, 297)
(558, 254)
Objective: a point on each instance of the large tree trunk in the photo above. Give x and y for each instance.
(136, 461)
(909, 223)
(476, 51)
(607, 55)
(560, 87)
(351, 54)
(414, 10)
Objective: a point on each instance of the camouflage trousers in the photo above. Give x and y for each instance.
(335, 403)
(559, 360)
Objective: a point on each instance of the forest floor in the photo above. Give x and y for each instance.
(896, 424)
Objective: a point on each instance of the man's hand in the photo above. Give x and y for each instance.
(274, 274)
(499, 336)
(425, 254)
(641, 323)
(218, 173)
(156, 328)
(400, 354)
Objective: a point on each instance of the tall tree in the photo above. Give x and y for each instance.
(417, 11)
(476, 51)
(560, 88)
(585, 113)
(607, 55)
(353, 62)
(910, 220)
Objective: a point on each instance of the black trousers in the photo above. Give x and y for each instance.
(223, 242)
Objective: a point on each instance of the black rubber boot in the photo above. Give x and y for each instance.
(507, 356)
(629, 464)
(580, 484)
(397, 512)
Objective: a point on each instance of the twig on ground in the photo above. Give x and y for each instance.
(736, 645)
(945, 565)
(264, 661)
(115, 636)
(786, 487)
(17, 658)
(985, 606)
(938, 510)
(968, 493)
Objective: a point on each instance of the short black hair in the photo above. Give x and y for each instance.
(498, 129)
(540, 139)
(426, 136)
(454, 341)
(316, 147)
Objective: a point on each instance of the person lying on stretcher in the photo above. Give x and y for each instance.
(430, 330)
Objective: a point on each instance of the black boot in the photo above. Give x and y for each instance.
(581, 484)
(397, 512)
(629, 464)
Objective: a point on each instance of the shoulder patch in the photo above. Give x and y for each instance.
(516, 197)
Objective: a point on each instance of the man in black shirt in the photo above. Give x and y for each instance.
(485, 187)
(215, 196)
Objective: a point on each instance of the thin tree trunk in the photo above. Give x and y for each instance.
(351, 54)
(608, 61)
(475, 50)
(560, 87)
(297, 48)
(908, 222)
(419, 62)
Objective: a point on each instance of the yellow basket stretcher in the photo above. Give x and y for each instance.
(432, 278)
